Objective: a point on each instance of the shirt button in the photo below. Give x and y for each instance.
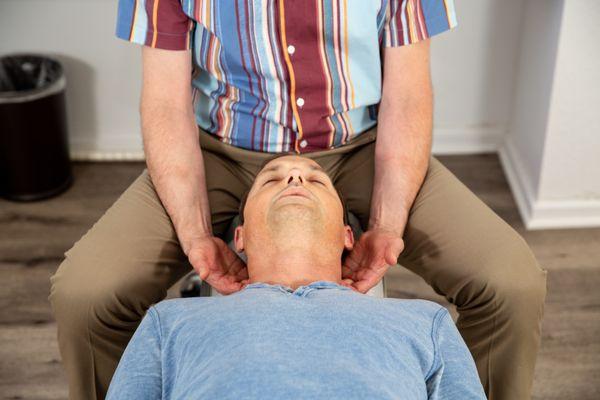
(291, 49)
(303, 143)
(300, 101)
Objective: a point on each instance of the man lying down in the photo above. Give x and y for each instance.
(296, 330)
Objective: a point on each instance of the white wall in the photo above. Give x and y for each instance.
(533, 89)
(103, 72)
(551, 153)
(571, 163)
(473, 69)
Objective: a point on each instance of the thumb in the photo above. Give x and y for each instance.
(393, 252)
(202, 272)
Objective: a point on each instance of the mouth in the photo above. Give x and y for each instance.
(295, 192)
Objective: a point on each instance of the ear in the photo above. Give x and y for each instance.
(238, 238)
(348, 237)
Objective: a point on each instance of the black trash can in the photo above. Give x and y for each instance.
(34, 150)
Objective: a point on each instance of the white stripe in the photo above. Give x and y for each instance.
(141, 22)
(404, 23)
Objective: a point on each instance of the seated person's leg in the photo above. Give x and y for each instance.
(125, 263)
(100, 292)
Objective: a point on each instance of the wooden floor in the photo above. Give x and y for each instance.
(34, 236)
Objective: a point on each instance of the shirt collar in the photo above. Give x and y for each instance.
(313, 285)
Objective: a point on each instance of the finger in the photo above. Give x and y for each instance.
(242, 284)
(223, 290)
(224, 287)
(364, 285)
(347, 273)
(353, 288)
(233, 283)
(237, 266)
(234, 265)
(243, 273)
(229, 258)
(352, 261)
(347, 283)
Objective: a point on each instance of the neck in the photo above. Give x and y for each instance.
(294, 265)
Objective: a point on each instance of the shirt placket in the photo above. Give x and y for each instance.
(298, 37)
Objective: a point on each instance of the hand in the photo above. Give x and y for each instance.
(375, 251)
(218, 265)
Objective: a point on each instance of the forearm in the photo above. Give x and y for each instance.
(402, 154)
(176, 166)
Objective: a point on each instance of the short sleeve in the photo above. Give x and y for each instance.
(453, 374)
(156, 23)
(139, 373)
(410, 21)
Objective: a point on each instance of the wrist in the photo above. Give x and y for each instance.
(396, 226)
(188, 241)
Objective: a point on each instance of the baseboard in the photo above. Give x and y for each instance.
(475, 140)
(562, 214)
(107, 148)
(520, 185)
(544, 214)
(98, 155)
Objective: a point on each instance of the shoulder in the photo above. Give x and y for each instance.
(181, 306)
(171, 311)
(178, 311)
(423, 315)
(425, 308)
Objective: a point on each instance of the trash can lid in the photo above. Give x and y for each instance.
(26, 77)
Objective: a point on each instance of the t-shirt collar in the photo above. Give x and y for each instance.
(313, 285)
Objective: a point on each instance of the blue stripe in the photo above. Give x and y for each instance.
(124, 18)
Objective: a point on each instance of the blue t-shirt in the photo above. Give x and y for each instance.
(321, 340)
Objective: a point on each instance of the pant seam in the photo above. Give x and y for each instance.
(91, 349)
(489, 358)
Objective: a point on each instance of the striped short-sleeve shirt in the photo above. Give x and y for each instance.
(284, 75)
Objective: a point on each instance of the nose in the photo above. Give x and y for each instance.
(295, 177)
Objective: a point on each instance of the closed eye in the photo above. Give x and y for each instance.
(274, 179)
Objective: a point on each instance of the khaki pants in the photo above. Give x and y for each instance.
(131, 256)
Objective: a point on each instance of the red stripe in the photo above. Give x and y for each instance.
(301, 22)
(172, 20)
(396, 17)
(289, 117)
(421, 18)
(150, 31)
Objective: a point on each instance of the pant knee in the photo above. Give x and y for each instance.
(508, 274)
(86, 301)
(514, 278)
